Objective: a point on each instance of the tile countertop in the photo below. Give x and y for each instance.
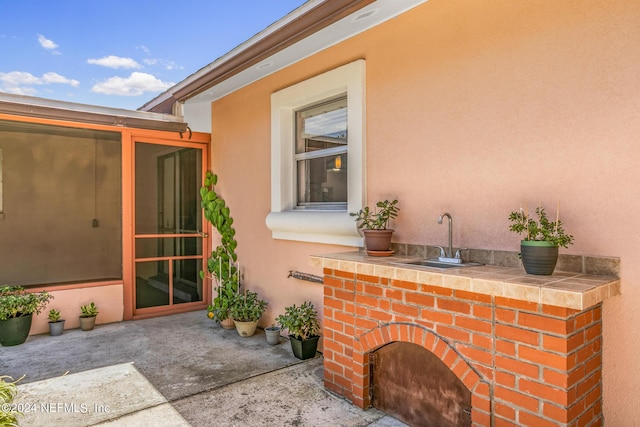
(570, 290)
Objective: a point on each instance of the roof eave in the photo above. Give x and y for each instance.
(28, 106)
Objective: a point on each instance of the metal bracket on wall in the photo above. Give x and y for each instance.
(305, 276)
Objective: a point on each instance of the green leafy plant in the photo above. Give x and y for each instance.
(54, 315)
(301, 321)
(377, 218)
(8, 392)
(89, 310)
(15, 301)
(221, 263)
(541, 229)
(247, 307)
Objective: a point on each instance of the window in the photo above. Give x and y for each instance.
(321, 144)
(317, 157)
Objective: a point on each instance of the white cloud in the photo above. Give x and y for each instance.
(46, 43)
(21, 82)
(113, 61)
(18, 90)
(136, 84)
(170, 65)
(164, 63)
(19, 78)
(57, 78)
(144, 49)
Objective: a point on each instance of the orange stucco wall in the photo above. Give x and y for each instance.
(475, 108)
(108, 298)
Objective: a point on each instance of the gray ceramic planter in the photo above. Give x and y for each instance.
(56, 328)
(273, 334)
(538, 257)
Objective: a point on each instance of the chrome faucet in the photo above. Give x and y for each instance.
(449, 256)
(440, 218)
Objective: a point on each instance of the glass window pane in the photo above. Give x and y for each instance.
(323, 180)
(168, 246)
(321, 155)
(152, 284)
(322, 126)
(62, 204)
(187, 285)
(167, 186)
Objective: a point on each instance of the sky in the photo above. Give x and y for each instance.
(120, 53)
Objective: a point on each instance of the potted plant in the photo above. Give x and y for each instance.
(8, 391)
(17, 306)
(246, 309)
(56, 324)
(88, 316)
(542, 237)
(272, 333)
(375, 226)
(221, 264)
(302, 324)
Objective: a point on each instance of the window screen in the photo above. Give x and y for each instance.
(61, 216)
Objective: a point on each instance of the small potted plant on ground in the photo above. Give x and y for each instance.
(375, 226)
(88, 316)
(246, 309)
(542, 237)
(56, 324)
(303, 327)
(17, 307)
(272, 333)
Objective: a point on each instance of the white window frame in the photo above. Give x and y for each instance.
(320, 226)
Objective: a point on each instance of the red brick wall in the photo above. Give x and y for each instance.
(526, 364)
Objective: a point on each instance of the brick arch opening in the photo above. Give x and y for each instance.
(376, 338)
(536, 364)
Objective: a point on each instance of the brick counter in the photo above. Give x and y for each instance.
(528, 358)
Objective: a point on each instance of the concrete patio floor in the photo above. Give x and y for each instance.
(180, 370)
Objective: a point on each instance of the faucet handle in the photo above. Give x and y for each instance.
(459, 252)
(443, 253)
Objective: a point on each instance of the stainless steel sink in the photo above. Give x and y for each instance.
(438, 264)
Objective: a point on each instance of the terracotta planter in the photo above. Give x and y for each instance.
(15, 330)
(377, 240)
(304, 349)
(227, 323)
(56, 328)
(538, 257)
(246, 329)
(87, 323)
